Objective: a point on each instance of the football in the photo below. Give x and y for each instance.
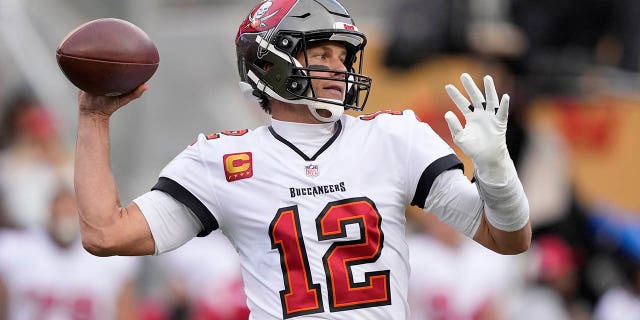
(107, 57)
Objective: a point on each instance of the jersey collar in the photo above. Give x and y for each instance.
(306, 134)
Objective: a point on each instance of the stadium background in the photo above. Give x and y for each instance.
(578, 145)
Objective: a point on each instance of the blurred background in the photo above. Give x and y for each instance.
(571, 68)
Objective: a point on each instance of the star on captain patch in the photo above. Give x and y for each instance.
(238, 166)
(311, 170)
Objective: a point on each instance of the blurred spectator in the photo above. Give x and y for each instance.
(616, 234)
(622, 302)
(420, 30)
(567, 40)
(565, 35)
(550, 44)
(625, 30)
(32, 160)
(553, 290)
(453, 277)
(46, 273)
(204, 286)
(544, 168)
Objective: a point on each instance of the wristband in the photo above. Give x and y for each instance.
(506, 206)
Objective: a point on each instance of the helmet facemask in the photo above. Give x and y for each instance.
(356, 85)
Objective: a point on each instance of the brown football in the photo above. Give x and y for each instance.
(107, 57)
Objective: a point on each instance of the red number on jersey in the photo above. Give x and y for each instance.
(344, 294)
(235, 133)
(300, 295)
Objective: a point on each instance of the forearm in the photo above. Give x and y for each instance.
(503, 242)
(95, 186)
(506, 213)
(107, 227)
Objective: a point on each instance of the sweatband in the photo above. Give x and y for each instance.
(505, 205)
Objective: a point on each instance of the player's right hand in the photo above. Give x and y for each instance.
(103, 106)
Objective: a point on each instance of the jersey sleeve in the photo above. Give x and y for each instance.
(429, 156)
(456, 202)
(172, 224)
(186, 178)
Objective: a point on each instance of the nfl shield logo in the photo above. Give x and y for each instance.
(311, 170)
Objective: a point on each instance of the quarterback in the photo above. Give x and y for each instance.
(314, 203)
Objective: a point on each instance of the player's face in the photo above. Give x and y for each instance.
(329, 54)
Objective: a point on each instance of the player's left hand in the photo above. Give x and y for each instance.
(483, 138)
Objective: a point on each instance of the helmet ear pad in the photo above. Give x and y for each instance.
(297, 84)
(281, 74)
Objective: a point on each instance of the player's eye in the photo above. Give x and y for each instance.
(320, 56)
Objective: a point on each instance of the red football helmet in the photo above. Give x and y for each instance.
(275, 32)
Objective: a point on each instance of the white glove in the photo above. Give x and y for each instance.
(483, 138)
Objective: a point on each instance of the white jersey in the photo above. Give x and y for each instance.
(320, 236)
(45, 281)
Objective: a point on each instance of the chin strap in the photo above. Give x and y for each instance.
(336, 111)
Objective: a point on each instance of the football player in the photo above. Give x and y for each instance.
(314, 203)
(46, 274)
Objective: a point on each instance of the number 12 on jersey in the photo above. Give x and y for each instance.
(300, 295)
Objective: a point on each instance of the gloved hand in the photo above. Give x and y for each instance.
(483, 138)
